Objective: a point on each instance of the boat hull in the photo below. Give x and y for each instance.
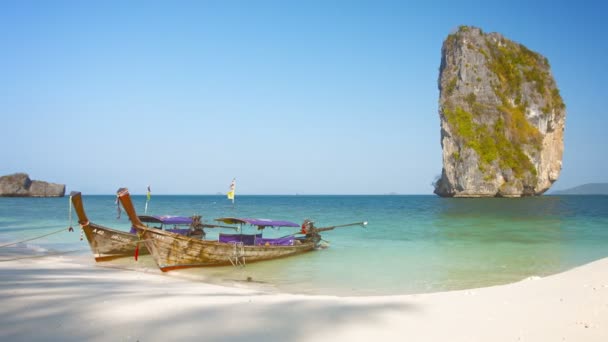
(108, 244)
(172, 251)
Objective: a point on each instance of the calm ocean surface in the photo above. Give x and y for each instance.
(412, 244)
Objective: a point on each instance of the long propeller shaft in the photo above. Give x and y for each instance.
(323, 229)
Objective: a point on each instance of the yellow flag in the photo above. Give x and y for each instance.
(148, 194)
(230, 193)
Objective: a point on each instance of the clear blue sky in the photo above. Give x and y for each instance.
(309, 97)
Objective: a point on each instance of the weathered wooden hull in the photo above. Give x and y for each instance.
(107, 243)
(172, 251)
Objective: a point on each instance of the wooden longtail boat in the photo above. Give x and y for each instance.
(172, 251)
(106, 243)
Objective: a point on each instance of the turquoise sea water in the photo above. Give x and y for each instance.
(412, 244)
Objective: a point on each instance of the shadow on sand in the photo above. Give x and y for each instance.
(62, 302)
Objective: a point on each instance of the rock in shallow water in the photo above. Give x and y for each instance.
(502, 118)
(20, 185)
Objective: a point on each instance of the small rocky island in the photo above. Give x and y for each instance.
(20, 185)
(502, 118)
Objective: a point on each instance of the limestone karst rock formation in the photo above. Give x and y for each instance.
(20, 185)
(502, 118)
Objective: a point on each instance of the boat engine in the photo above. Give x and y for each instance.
(307, 226)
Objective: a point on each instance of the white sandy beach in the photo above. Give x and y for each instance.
(56, 299)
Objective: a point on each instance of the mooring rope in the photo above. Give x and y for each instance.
(40, 256)
(69, 228)
(118, 206)
(34, 238)
(70, 212)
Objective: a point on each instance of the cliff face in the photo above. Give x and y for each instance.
(20, 185)
(502, 118)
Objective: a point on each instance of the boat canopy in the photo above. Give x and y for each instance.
(166, 219)
(257, 222)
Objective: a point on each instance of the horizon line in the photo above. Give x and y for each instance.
(290, 194)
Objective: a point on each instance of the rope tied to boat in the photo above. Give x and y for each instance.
(118, 206)
(70, 229)
(40, 256)
(34, 238)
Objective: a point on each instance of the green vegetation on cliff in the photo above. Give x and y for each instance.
(490, 143)
(508, 137)
(514, 64)
(502, 117)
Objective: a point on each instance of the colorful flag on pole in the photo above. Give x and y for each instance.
(230, 193)
(148, 195)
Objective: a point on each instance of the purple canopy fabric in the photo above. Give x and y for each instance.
(257, 222)
(166, 219)
(282, 241)
(246, 239)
